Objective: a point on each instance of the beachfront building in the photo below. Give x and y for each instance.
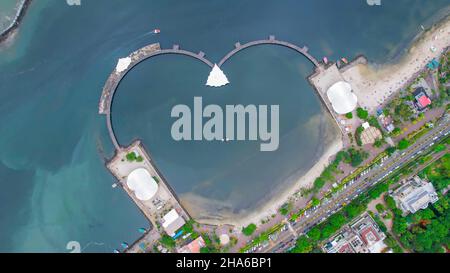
(193, 247)
(142, 184)
(414, 195)
(342, 98)
(172, 222)
(422, 101)
(361, 236)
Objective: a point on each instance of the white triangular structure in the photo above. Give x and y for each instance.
(217, 78)
(123, 64)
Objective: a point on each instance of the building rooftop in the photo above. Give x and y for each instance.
(362, 236)
(342, 97)
(422, 100)
(193, 247)
(142, 184)
(414, 195)
(172, 222)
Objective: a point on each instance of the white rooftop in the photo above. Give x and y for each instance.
(143, 185)
(217, 78)
(123, 64)
(342, 98)
(170, 217)
(172, 221)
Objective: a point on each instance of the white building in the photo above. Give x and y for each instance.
(342, 97)
(172, 222)
(414, 195)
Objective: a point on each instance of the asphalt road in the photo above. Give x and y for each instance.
(286, 238)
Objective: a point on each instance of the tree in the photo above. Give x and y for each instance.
(314, 234)
(400, 225)
(403, 144)
(404, 111)
(318, 184)
(380, 208)
(361, 113)
(352, 210)
(248, 230)
(315, 201)
(131, 156)
(390, 150)
(390, 202)
(303, 245)
(349, 115)
(167, 241)
(378, 190)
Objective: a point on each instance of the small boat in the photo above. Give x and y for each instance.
(325, 60)
(156, 31)
(142, 230)
(345, 60)
(116, 251)
(114, 185)
(124, 245)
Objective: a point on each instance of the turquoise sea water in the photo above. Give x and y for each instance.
(55, 188)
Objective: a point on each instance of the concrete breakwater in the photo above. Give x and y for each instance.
(4, 35)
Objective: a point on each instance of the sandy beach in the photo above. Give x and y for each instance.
(305, 181)
(374, 86)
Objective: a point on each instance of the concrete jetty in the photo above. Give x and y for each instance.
(121, 167)
(164, 199)
(270, 41)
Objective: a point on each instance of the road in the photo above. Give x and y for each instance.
(286, 239)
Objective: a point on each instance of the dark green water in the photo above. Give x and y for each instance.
(55, 186)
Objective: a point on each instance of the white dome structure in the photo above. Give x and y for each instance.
(142, 183)
(217, 78)
(342, 97)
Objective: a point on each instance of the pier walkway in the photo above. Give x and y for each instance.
(116, 77)
(153, 50)
(270, 41)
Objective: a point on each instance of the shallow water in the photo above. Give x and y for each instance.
(55, 186)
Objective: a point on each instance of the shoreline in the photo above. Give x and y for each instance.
(375, 84)
(13, 27)
(274, 201)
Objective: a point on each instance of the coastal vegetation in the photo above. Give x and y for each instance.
(167, 241)
(362, 113)
(403, 144)
(249, 230)
(132, 157)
